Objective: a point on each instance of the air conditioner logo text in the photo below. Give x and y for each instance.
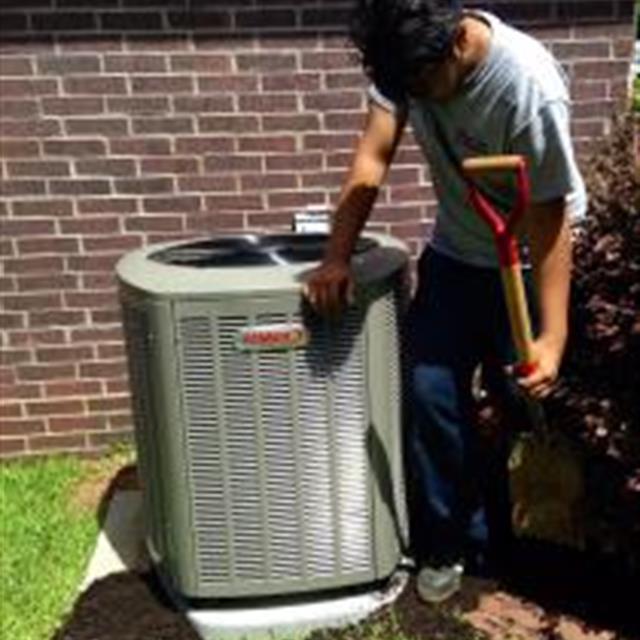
(270, 337)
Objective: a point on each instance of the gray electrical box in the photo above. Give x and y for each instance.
(269, 438)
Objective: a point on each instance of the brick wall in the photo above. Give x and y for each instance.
(139, 120)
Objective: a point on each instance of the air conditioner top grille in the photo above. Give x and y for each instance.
(250, 251)
(245, 265)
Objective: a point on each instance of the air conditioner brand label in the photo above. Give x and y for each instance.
(270, 337)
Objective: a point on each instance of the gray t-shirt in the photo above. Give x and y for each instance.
(515, 102)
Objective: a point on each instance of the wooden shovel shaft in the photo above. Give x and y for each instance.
(519, 319)
(489, 164)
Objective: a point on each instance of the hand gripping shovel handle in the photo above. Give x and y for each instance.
(507, 246)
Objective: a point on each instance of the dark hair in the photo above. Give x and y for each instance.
(394, 37)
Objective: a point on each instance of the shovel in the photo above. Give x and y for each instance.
(545, 472)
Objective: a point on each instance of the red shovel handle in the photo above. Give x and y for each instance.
(507, 246)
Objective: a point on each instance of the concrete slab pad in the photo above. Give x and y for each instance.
(120, 545)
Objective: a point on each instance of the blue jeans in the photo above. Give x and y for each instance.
(457, 320)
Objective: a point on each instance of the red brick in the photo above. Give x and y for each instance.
(290, 123)
(335, 100)
(172, 204)
(42, 208)
(47, 245)
(111, 243)
(74, 148)
(19, 109)
(6, 248)
(343, 121)
(108, 127)
(227, 83)
(346, 80)
(339, 159)
(19, 148)
(272, 144)
(273, 219)
(55, 407)
(24, 427)
(334, 17)
(218, 183)
(99, 206)
(10, 447)
(106, 167)
(623, 48)
(99, 281)
(70, 388)
(171, 165)
(38, 168)
(7, 374)
(12, 227)
(143, 186)
(16, 66)
(131, 21)
(201, 63)
(40, 264)
(41, 371)
(10, 410)
(226, 124)
(95, 85)
(295, 199)
(268, 103)
(327, 179)
(266, 62)
(24, 88)
(10, 357)
(148, 125)
(330, 141)
(585, 49)
(79, 187)
(592, 109)
(329, 60)
(63, 21)
(118, 386)
(31, 338)
(95, 334)
(589, 89)
(110, 405)
(52, 281)
(198, 19)
(294, 162)
(7, 284)
(203, 104)
(291, 82)
(64, 354)
(27, 302)
(164, 84)
(68, 65)
(233, 202)
(587, 9)
(139, 105)
(218, 221)
(262, 181)
(103, 369)
(263, 18)
(597, 70)
(20, 391)
(588, 128)
(40, 128)
(204, 144)
(140, 147)
(154, 223)
(98, 42)
(128, 63)
(95, 263)
(233, 163)
(51, 443)
(69, 424)
(115, 435)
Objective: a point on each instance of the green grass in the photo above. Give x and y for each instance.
(44, 545)
(636, 94)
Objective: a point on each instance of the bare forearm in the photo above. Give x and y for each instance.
(550, 243)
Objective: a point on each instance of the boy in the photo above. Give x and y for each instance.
(470, 85)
